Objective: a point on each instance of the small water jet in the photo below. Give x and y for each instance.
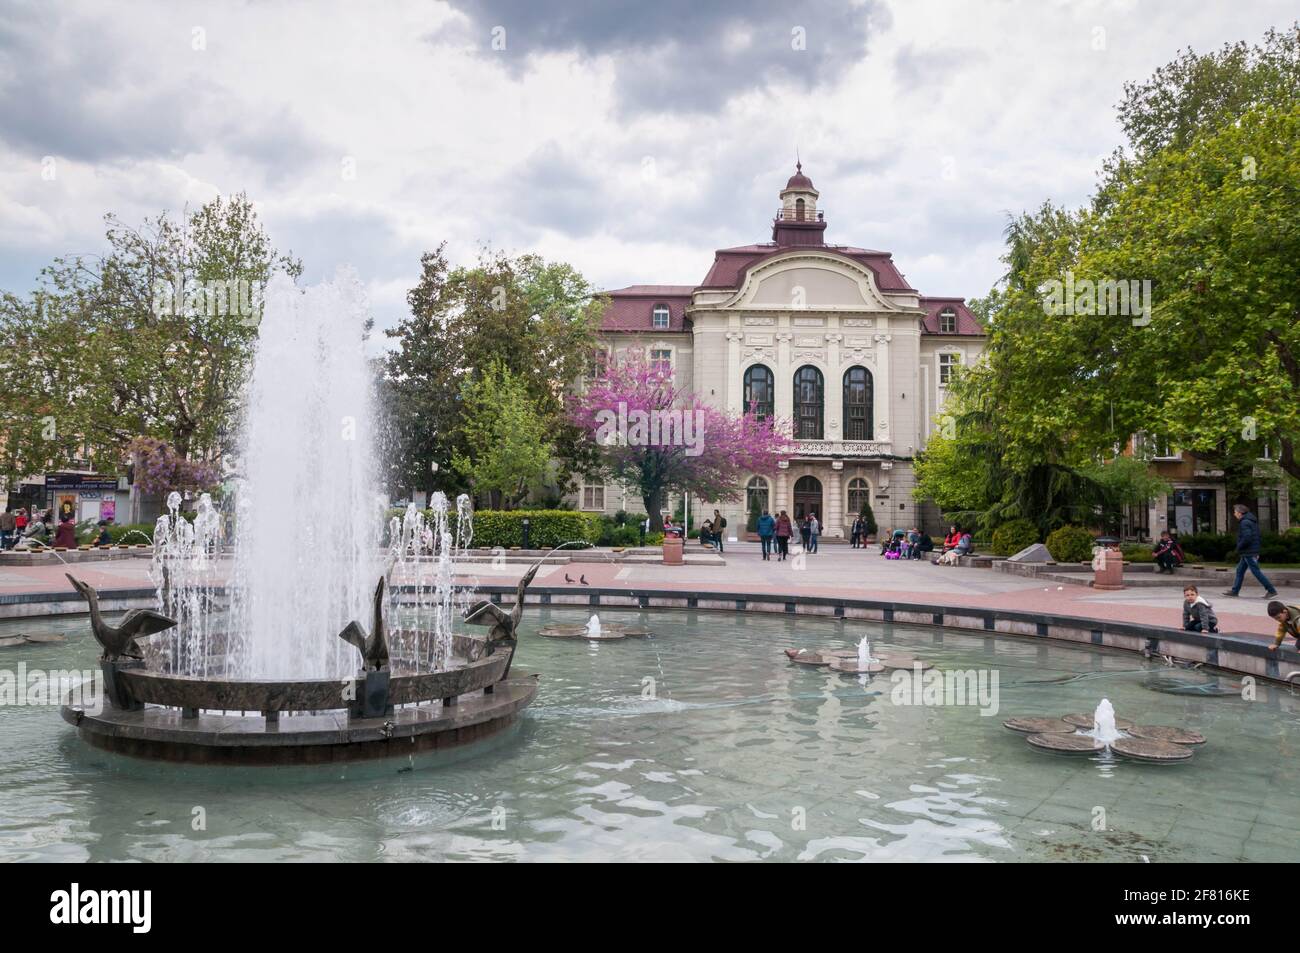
(594, 631)
(1103, 724)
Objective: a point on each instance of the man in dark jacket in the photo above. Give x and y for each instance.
(1248, 544)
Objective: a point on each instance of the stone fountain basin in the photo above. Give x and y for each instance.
(274, 695)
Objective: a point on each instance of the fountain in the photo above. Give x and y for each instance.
(594, 631)
(190, 681)
(1103, 732)
(858, 661)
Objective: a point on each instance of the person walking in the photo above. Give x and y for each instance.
(814, 530)
(803, 532)
(8, 524)
(766, 530)
(1248, 545)
(782, 534)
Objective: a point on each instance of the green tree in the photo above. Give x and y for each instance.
(508, 450)
(538, 320)
(1203, 205)
(153, 338)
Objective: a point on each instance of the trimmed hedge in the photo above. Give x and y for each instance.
(547, 528)
(1011, 537)
(1071, 544)
(130, 533)
(1222, 547)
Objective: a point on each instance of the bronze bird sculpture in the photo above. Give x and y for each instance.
(502, 633)
(118, 640)
(374, 647)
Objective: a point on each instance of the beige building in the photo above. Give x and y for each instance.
(831, 339)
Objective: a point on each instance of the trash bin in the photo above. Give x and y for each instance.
(1107, 564)
(672, 550)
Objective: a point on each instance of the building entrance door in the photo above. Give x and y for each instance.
(808, 498)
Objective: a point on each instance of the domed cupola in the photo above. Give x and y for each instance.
(798, 221)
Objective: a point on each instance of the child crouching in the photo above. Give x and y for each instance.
(1198, 615)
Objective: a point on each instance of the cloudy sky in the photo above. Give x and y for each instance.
(630, 139)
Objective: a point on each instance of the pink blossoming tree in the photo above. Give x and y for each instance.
(661, 439)
(160, 469)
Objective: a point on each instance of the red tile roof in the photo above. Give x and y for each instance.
(731, 264)
(967, 323)
(632, 308)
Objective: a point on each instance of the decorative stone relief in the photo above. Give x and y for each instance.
(807, 342)
(859, 322)
(756, 319)
(809, 322)
(759, 339)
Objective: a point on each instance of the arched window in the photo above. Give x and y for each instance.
(760, 387)
(857, 404)
(808, 397)
(660, 316)
(948, 321)
(756, 495)
(859, 496)
(798, 210)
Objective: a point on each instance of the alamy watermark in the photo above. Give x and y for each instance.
(214, 298)
(1106, 297)
(23, 686)
(977, 688)
(651, 428)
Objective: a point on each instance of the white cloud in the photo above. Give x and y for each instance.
(955, 115)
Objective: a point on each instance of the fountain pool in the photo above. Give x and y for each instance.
(729, 753)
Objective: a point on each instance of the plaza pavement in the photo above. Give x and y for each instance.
(837, 570)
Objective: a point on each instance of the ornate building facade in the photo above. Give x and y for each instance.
(828, 338)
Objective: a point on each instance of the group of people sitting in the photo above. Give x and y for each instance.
(914, 544)
(906, 544)
(24, 532)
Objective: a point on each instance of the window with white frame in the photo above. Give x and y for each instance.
(661, 360)
(660, 320)
(948, 321)
(1162, 449)
(947, 361)
(593, 496)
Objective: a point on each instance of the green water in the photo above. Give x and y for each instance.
(729, 753)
